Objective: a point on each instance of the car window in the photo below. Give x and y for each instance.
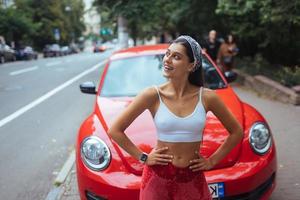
(212, 77)
(127, 77)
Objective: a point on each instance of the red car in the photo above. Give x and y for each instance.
(105, 171)
(99, 48)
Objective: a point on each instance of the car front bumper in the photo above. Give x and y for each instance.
(244, 180)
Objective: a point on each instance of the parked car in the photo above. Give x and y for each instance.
(106, 171)
(26, 53)
(99, 48)
(65, 50)
(7, 53)
(74, 48)
(52, 50)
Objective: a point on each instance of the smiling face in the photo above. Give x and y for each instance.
(176, 62)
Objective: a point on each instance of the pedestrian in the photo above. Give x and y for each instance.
(211, 45)
(226, 54)
(174, 168)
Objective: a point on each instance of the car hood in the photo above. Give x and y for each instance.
(142, 131)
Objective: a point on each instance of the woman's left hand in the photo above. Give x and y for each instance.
(200, 163)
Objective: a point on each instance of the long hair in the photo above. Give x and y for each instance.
(195, 77)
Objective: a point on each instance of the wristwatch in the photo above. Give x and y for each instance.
(143, 157)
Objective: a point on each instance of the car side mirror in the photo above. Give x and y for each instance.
(88, 87)
(230, 76)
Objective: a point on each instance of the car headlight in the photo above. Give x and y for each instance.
(260, 138)
(95, 153)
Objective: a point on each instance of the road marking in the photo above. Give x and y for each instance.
(69, 60)
(21, 71)
(53, 63)
(48, 95)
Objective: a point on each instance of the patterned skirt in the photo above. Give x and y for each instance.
(168, 182)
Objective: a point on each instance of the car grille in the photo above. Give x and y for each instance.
(91, 196)
(255, 194)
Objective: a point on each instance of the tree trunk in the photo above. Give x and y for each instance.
(122, 32)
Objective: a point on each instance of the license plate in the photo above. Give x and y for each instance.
(216, 190)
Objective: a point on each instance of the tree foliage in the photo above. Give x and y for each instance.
(148, 18)
(16, 26)
(271, 27)
(34, 21)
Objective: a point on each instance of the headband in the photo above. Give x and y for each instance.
(196, 49)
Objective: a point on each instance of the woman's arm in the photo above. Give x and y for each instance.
(217, 106)
(143, 101)
(234, 49)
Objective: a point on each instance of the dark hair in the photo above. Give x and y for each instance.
(227, 38)
(196, 77)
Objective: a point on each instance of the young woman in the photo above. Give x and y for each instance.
(174, 169)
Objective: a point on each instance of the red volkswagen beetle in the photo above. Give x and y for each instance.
(105, 171)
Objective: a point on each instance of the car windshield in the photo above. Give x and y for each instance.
(127, 77)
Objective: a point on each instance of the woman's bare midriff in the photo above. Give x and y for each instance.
(183, 152)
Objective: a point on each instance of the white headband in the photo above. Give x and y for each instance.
(196, 48)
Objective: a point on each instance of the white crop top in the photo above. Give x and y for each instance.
(172, 128)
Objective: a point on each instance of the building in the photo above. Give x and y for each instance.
(92, 19)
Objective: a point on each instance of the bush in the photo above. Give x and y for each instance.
(286, 75)
(289, 76)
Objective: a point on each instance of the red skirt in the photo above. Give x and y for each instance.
(167, 182)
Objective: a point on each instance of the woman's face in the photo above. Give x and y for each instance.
(230, 38)
(176, 62)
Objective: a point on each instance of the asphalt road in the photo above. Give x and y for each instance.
(40, 113)
(284, 120)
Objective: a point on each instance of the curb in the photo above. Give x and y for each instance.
(61, 177)
(57, 191)
(268, 87)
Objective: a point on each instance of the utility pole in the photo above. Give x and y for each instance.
(122, 32)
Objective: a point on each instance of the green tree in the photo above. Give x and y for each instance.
(16, 26)
(145, 18)
(148, 18)
(34, 21)
(268, 27)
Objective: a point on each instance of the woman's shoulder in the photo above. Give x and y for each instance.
(149, 94)
(208, 93)
(209, 96)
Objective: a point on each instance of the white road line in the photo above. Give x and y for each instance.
(69, 60)
(53, 63)
(21, 71)
(47, 96)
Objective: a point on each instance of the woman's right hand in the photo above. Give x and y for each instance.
(157, 157)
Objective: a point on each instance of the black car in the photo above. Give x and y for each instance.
(26, 53)
(7, 53)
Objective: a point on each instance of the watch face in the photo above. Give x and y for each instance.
(143, 157)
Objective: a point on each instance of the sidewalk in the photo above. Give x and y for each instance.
(69, 187)
(65, 184)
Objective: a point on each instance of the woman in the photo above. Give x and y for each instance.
(226, 54)
(174, 169)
